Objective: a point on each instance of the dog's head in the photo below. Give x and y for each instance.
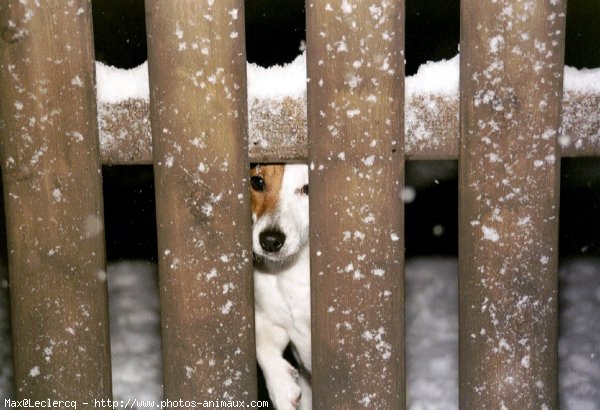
(279, 210)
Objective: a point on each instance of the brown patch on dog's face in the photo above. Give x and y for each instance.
(265, 200)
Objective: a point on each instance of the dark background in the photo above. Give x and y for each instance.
(274, 31)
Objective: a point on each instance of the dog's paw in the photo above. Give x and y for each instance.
(285, 391)
(288, 397)
(294, 373)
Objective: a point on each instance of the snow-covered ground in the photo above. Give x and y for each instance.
(432, 333)
(579, 344)
(135, 328)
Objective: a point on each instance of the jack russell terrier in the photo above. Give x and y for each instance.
(282, 280)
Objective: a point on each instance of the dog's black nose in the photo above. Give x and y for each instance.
(271, 240)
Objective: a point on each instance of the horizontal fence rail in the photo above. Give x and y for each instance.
(430, 133)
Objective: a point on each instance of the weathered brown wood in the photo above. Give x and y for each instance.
(580, 125)
(511, 88)
(278, 132)
(431, 133)
(53, 198)
(356, 155)
(125, 134)
(197, 73)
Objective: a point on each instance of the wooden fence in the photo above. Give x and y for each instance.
(510, 120)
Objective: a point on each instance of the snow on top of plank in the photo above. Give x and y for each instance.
(277, 82)
(584, 80)
(289, 80)
(440, 77)
(118, 84)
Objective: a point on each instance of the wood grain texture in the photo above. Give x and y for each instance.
(356, 154)
(511, 89)
(197, 70)
(53, 199)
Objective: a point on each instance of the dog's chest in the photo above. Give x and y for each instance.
(285, 297)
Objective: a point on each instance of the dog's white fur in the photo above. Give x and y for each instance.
(282, 295)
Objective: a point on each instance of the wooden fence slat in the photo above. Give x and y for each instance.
(53, 198)
(197, 70)
(511, 89)
(356, 155)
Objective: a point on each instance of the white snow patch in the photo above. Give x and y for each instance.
(189, 372)
(376, 12)
(117, 84)
(525, 360)
(366, 399)
(496, 43)
(352, 113)
(490, 234)
(178, 32)
(226, 308)
(57, 195)
(378, 272)
(368, 161)
(207, 209)
(346, 7)
(583, 80)
(439, 77)
(277, 82)
(77, 81)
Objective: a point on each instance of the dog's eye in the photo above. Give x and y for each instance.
(304, 189)
(258, 184)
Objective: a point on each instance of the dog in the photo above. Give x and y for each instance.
(282, 280)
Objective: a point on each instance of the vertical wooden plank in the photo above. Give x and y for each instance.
(197, 72)
(356, 153)
(53, 197)
(511, 88)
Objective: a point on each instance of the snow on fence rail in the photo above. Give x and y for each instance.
(509, 121)
(277, 125)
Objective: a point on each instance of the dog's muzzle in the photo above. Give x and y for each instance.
(271, 240)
